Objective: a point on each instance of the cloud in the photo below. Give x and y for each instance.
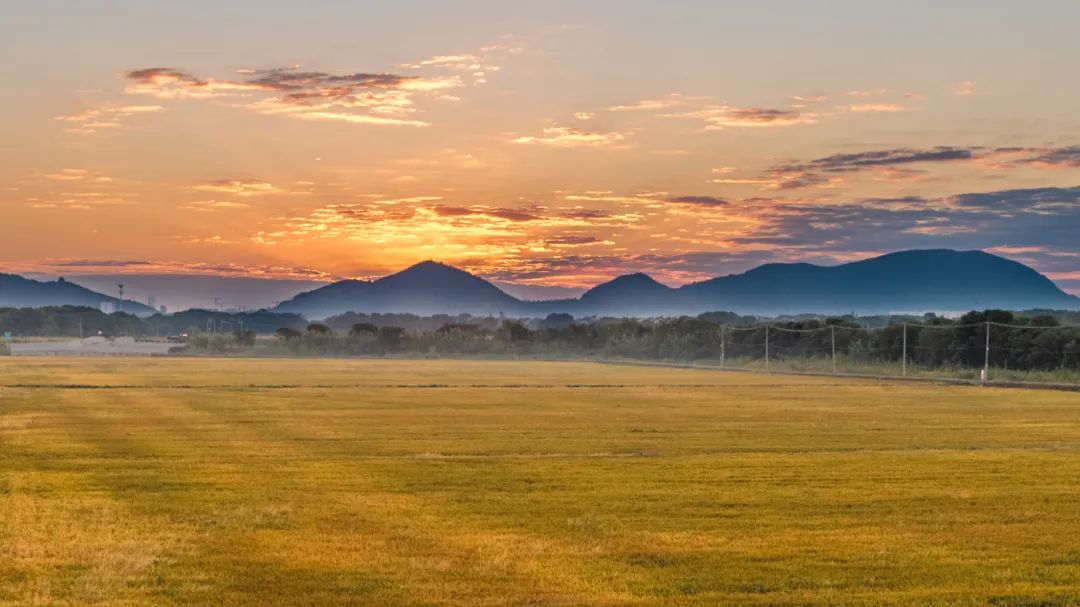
(1034, 217)
(805, 100)
(1067, 157)
(965, 88)
(357, 118)
(106, 117)
(649, 105)
(239, 187)
(571, 240)
(69, 175)
(875, 158)
(705, 201)
(1033, 200)
(140, 266)
(868, 93)
(168, 83)
(875, 107)
(77, 189)
(213, 205)
(494, 213)
(95, 263)
(999, 158)
(789, 177)
(567, 137)
(718, 117)
(352, 98)
(892, 165)
(479, 64)
(77, 201)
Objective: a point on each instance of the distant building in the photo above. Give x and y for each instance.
(107, 307)
(152, 301)
(163, 309)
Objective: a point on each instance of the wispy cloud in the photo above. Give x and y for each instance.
(106, 117)
(147, 266)
(876, 107)
(214, 205)
(651, 105)
(354, 98)
(480, 64)
(239, 187)
(718, 117)
(571, 137)
(965, 88)
(893, 164)
(704, 201)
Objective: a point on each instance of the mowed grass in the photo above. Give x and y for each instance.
(337, 482)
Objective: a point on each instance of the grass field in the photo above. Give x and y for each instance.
(325, 482)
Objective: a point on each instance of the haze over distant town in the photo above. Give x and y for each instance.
(546, 147)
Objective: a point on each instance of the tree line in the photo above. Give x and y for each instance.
(1021, 341)
(1036, 342)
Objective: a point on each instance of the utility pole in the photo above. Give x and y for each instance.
(723, 347)
(766, 347)
(903, 356)
(986, 361)
(832, 332)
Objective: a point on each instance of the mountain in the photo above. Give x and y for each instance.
(187, 291)
(907, 281)
(630, 295)
(19, 292)
(426, 288)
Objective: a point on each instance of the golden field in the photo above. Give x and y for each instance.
(409, 482)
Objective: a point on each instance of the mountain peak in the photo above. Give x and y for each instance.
(636, 279)
(430, 266)
(627, 285)
(432, 273)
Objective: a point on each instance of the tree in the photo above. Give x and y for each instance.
(514, 331)
(287, 334)
(558, 320)
(391, 337)
(319, 329)
(244, 338)
(362, 329)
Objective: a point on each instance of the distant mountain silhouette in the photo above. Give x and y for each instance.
(912, 281)
(426, 288)
(907, 281)
(630, 295)
(19, 292)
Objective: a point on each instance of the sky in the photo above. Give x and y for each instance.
(553, 144)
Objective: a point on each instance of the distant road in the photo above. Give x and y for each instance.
(92, 346)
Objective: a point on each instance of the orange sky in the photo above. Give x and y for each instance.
(560, 145)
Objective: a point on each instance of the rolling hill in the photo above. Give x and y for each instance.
(19, 292)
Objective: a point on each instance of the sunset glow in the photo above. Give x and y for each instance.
(553, 143)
